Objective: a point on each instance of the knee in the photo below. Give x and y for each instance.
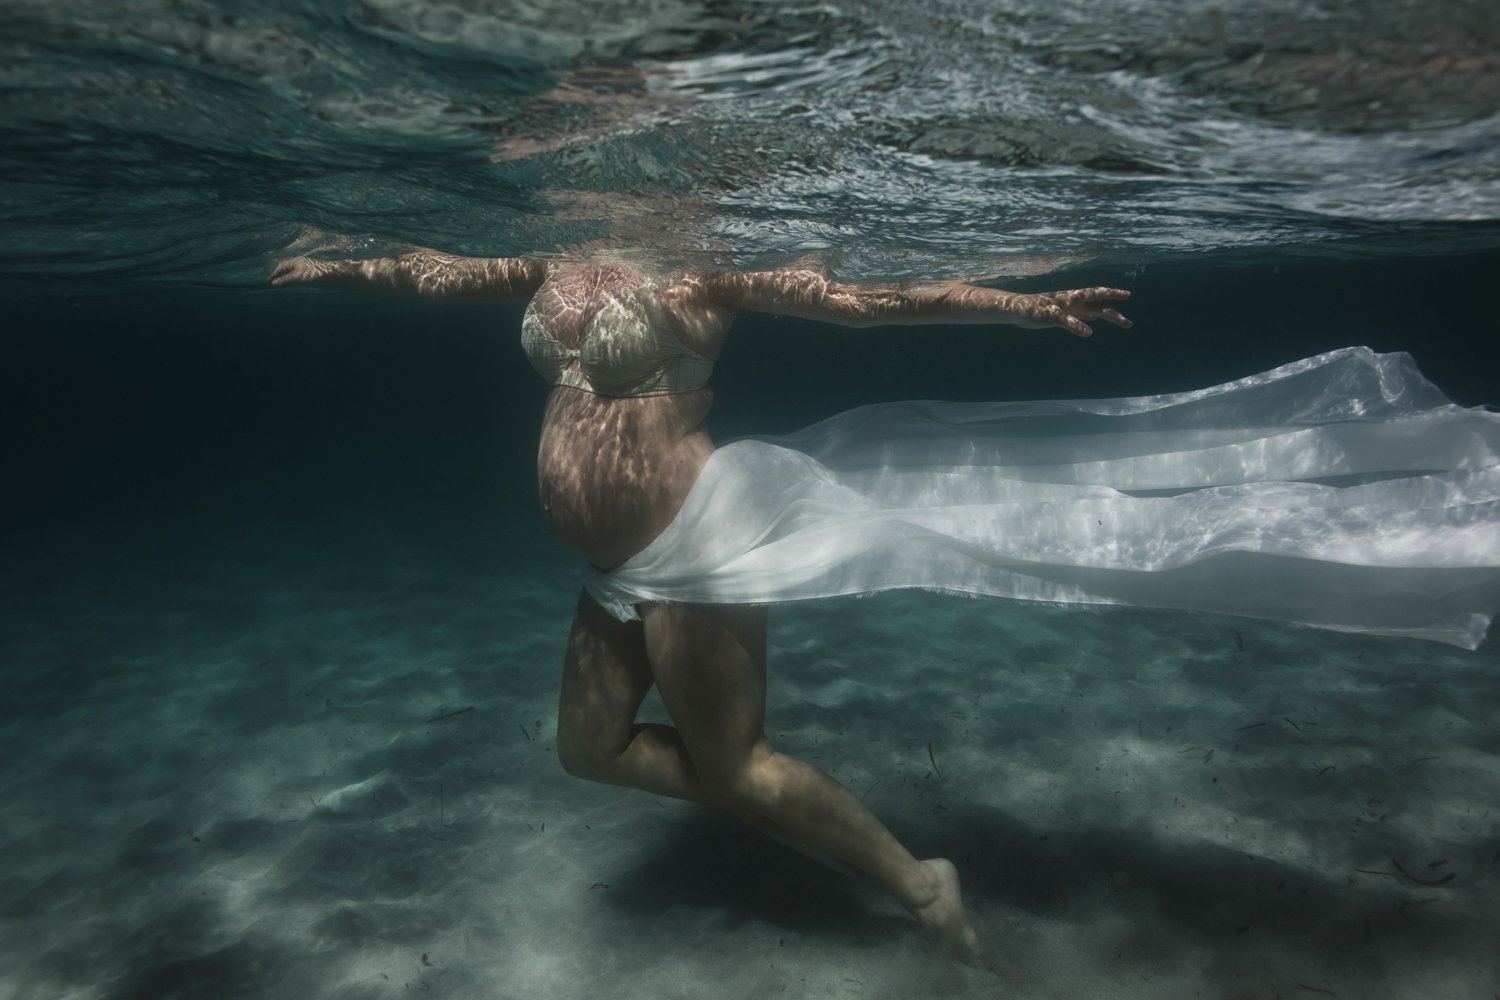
(747, 782)
(580, 754)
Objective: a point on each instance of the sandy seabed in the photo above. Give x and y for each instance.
(267, 767)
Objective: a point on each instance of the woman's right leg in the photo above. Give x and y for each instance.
(709, 662)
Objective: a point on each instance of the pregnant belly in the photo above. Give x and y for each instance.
(614, 472)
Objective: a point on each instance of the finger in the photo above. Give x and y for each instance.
(1052, 314)
(1077, 327)
(1114, 316)
(1090, 295)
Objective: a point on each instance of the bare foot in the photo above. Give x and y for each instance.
(944, 915)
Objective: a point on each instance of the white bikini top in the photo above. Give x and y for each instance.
(628, 349)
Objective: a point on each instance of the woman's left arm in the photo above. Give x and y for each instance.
(809, 294)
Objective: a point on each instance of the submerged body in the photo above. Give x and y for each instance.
(622, 444)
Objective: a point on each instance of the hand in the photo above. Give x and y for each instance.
(1069, 309)
(305, 271)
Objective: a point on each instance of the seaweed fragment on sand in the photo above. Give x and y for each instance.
(1414, 763)
(451, 715)
(1405, 877)
(934, 761)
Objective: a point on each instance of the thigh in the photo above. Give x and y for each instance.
(605, 678)
(709, 662)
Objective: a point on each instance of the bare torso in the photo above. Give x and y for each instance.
(614, 471)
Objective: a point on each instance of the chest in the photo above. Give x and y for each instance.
(569, 301)
(572, 299)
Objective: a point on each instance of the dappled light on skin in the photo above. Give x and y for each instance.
(613, 470)
(427, 273)
(810, 294)
(608, 494)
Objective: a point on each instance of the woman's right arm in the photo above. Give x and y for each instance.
(807, 293)
(427, 273)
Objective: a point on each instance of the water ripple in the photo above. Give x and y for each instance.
(187, 142)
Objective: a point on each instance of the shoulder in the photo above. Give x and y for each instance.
(690, 310)
(783, 289)
(747, 289)
(689, 291)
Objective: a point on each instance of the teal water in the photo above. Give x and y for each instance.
(185, 142)
(254, 540)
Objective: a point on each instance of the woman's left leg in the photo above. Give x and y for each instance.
(606, 675)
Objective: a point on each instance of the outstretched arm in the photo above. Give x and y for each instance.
(422, 272)
(808, 294)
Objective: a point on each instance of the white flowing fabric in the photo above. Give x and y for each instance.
(1343, 491)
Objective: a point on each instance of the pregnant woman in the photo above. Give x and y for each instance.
(622, 444)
